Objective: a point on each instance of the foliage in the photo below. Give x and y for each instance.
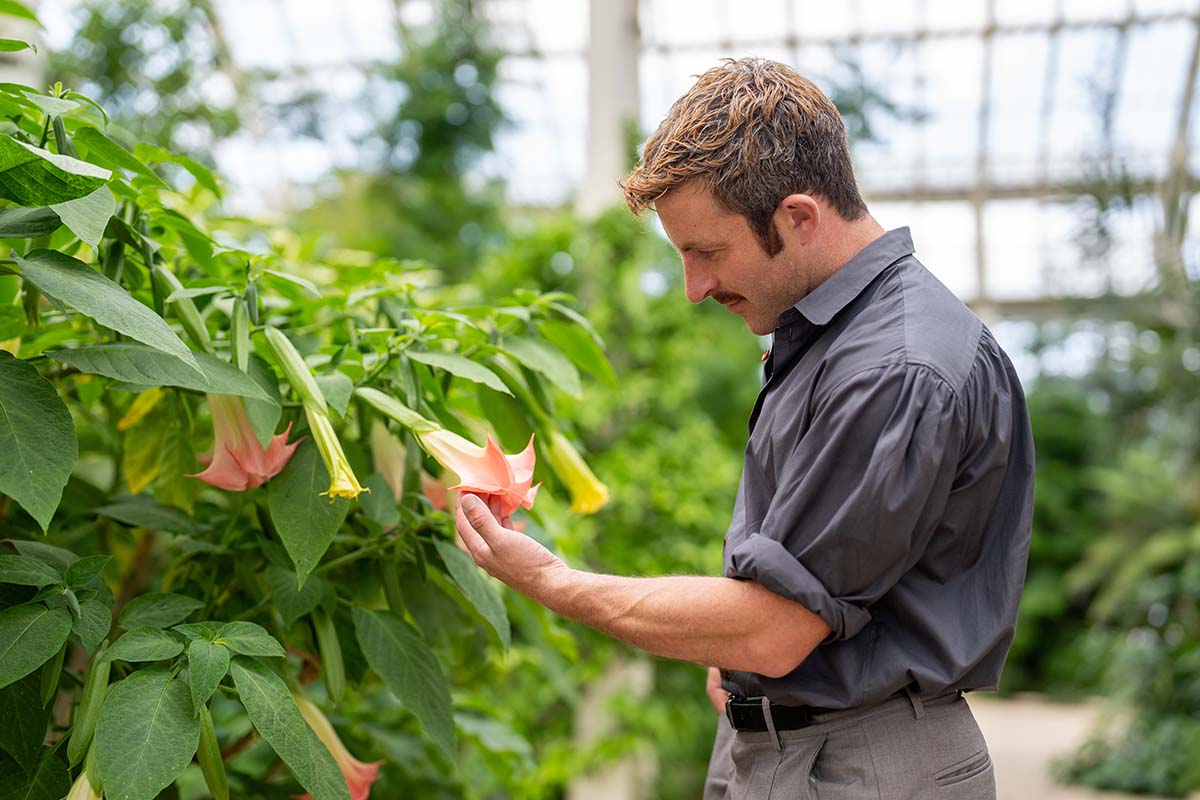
(229, 602)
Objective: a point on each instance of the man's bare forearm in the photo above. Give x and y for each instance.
(719, 622)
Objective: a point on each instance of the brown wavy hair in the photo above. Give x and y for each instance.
(752, 131)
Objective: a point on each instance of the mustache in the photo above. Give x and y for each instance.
(726, 299)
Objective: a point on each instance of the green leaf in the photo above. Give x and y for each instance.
(15, 46)
(336, 387)
(306, 285)
(194, 292)
(202, 174)
(88, 216)
(145, 512)
(51, 106)
(146, 735)
(293, 603)
(177, 461)
(85, 570)
(197, 630)
(581, 348)
(379, 504)
(460, 366)
(90, 293)
(92, 624)
(158, 610)
(541, 357)
(144, 644)
(12, 322)
(107, 153)
(476, 587)
(49, 779)
(249, 639)
(277, 718)
(14, 8)
(58, 556)
(397, 652)
(306, 521)
(26, 571)
(207, 665)
(27, 223)
(147, 366)
(25, 720)
(30, 635)
(37, 439)
(31, 176)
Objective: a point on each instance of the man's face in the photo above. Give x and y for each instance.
(722, 259)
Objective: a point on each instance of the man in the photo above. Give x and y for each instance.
(874, 562)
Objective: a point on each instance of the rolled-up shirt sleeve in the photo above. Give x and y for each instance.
(858, 497)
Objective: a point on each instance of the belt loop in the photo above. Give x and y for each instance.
(917, 706)
(766, 707)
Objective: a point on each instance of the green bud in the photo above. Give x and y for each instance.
(295, 370)
(61, 139)
(333, 671)
(209, 756)
(240, 336)
(95, 689)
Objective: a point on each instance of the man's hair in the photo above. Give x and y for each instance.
(752, 132)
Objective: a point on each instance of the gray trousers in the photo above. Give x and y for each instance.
(901, 749)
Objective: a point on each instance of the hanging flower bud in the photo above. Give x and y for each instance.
(588, 494)
(342, 482)
(359, 776)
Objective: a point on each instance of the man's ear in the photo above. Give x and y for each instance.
(797, 216)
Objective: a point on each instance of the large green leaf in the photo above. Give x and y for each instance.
(107, 153)
(25, 720)
(147, 366)
(90, 293)
(26, 571)
(580, 347)
(145, 512)
(249, 639)
(158, 610)
(476, 587)
(460, 366)
(292, 602)
(31, 176)
(88, 216)
(37, 439)
(144, 644)
(27, 223)
(85, 570)
(29, 636)
(306, 521)
(145, 736)
(49, 779)
(14, 8)
(92, 624)
(397, 652)
(336, 388)
(207, 665)
(541, 357)
(277, 718)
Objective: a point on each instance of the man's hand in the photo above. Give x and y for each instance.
(513, 557)
(716, 694)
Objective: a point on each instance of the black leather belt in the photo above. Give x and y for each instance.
(746, 714)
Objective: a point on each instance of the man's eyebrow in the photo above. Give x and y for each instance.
(686, 246)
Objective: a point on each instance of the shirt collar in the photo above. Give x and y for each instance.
(823, 303)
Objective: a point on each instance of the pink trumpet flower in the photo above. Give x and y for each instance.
(238, 462)
(359, 776)
(503, 481)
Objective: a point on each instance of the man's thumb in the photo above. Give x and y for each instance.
(475, 510)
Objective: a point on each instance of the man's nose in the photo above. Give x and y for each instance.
(698, 283)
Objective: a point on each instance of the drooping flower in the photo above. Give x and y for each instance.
(505, 481)
(359, 776)
(342, 482)
(238, 462)
(588, 494)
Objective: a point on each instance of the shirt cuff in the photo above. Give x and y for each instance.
(768, 562)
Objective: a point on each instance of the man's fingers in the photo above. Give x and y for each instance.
(476, 546)
(478, 516)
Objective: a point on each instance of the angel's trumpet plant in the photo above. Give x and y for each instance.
(238, 461)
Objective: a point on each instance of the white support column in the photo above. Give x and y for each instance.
(613, 49)
(631, 778)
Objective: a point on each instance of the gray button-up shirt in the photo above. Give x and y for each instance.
(887, 487)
